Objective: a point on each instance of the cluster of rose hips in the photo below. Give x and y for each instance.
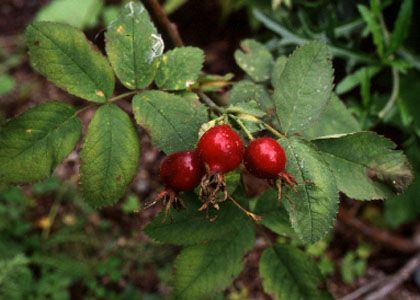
(219, 150)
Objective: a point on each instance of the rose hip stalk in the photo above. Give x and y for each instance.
(265, 158)
(221, 150)
(180, 171)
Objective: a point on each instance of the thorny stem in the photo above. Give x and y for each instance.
(165, 23)
(123, 95)
(243, 127)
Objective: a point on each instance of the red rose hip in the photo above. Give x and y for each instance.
(265, 158)
(221, 149)
(181, 171)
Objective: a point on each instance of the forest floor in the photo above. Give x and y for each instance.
(390, 251)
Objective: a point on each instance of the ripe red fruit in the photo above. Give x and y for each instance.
(221, 149)
(181, 171)
(265, 158)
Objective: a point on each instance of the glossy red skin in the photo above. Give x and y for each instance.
(182, 171)
(265, 158)
(221, 149)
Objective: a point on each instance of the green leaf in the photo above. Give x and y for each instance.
(109, 157)
(171, 6)
(365, 165)
(255, 60)
(247, 91)
(355, 79)
(131, 204)
(233, 181)
(179, 68)
(213, 83)
(110, 13)
(7, 83)
(64, 55)
(274, 217)
(278, 69)
(172, 121)
(207, 268)
(35, 142)
(374, 27)
(248, 108)
(78, 13)
(190, 226)
(16, 280)
(401, 27)
(312, 203)
(405, 207)
(409, 91)
(133, 46)
(335, 119)
(304, 88)
(288, 274)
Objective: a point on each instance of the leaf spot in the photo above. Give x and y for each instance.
(120, 29)
(189, 83)
(99, 93)
(129, 84)
(157, 47)
(29, 130)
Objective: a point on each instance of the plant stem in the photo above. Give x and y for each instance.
(395, 73)
(290, 38)
(243, 127)
(121, 96)
(210, 103)
(253, 216)
(84, 108)
(273, 130)
(394, 94)
(384, 29)
(411, 58)
(164, 22)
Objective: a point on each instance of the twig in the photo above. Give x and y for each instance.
(364, 289)
(164, 22)
(395, 280)
(379, 235)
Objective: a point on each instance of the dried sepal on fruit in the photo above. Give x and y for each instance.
(179, 172)
(221, 150)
